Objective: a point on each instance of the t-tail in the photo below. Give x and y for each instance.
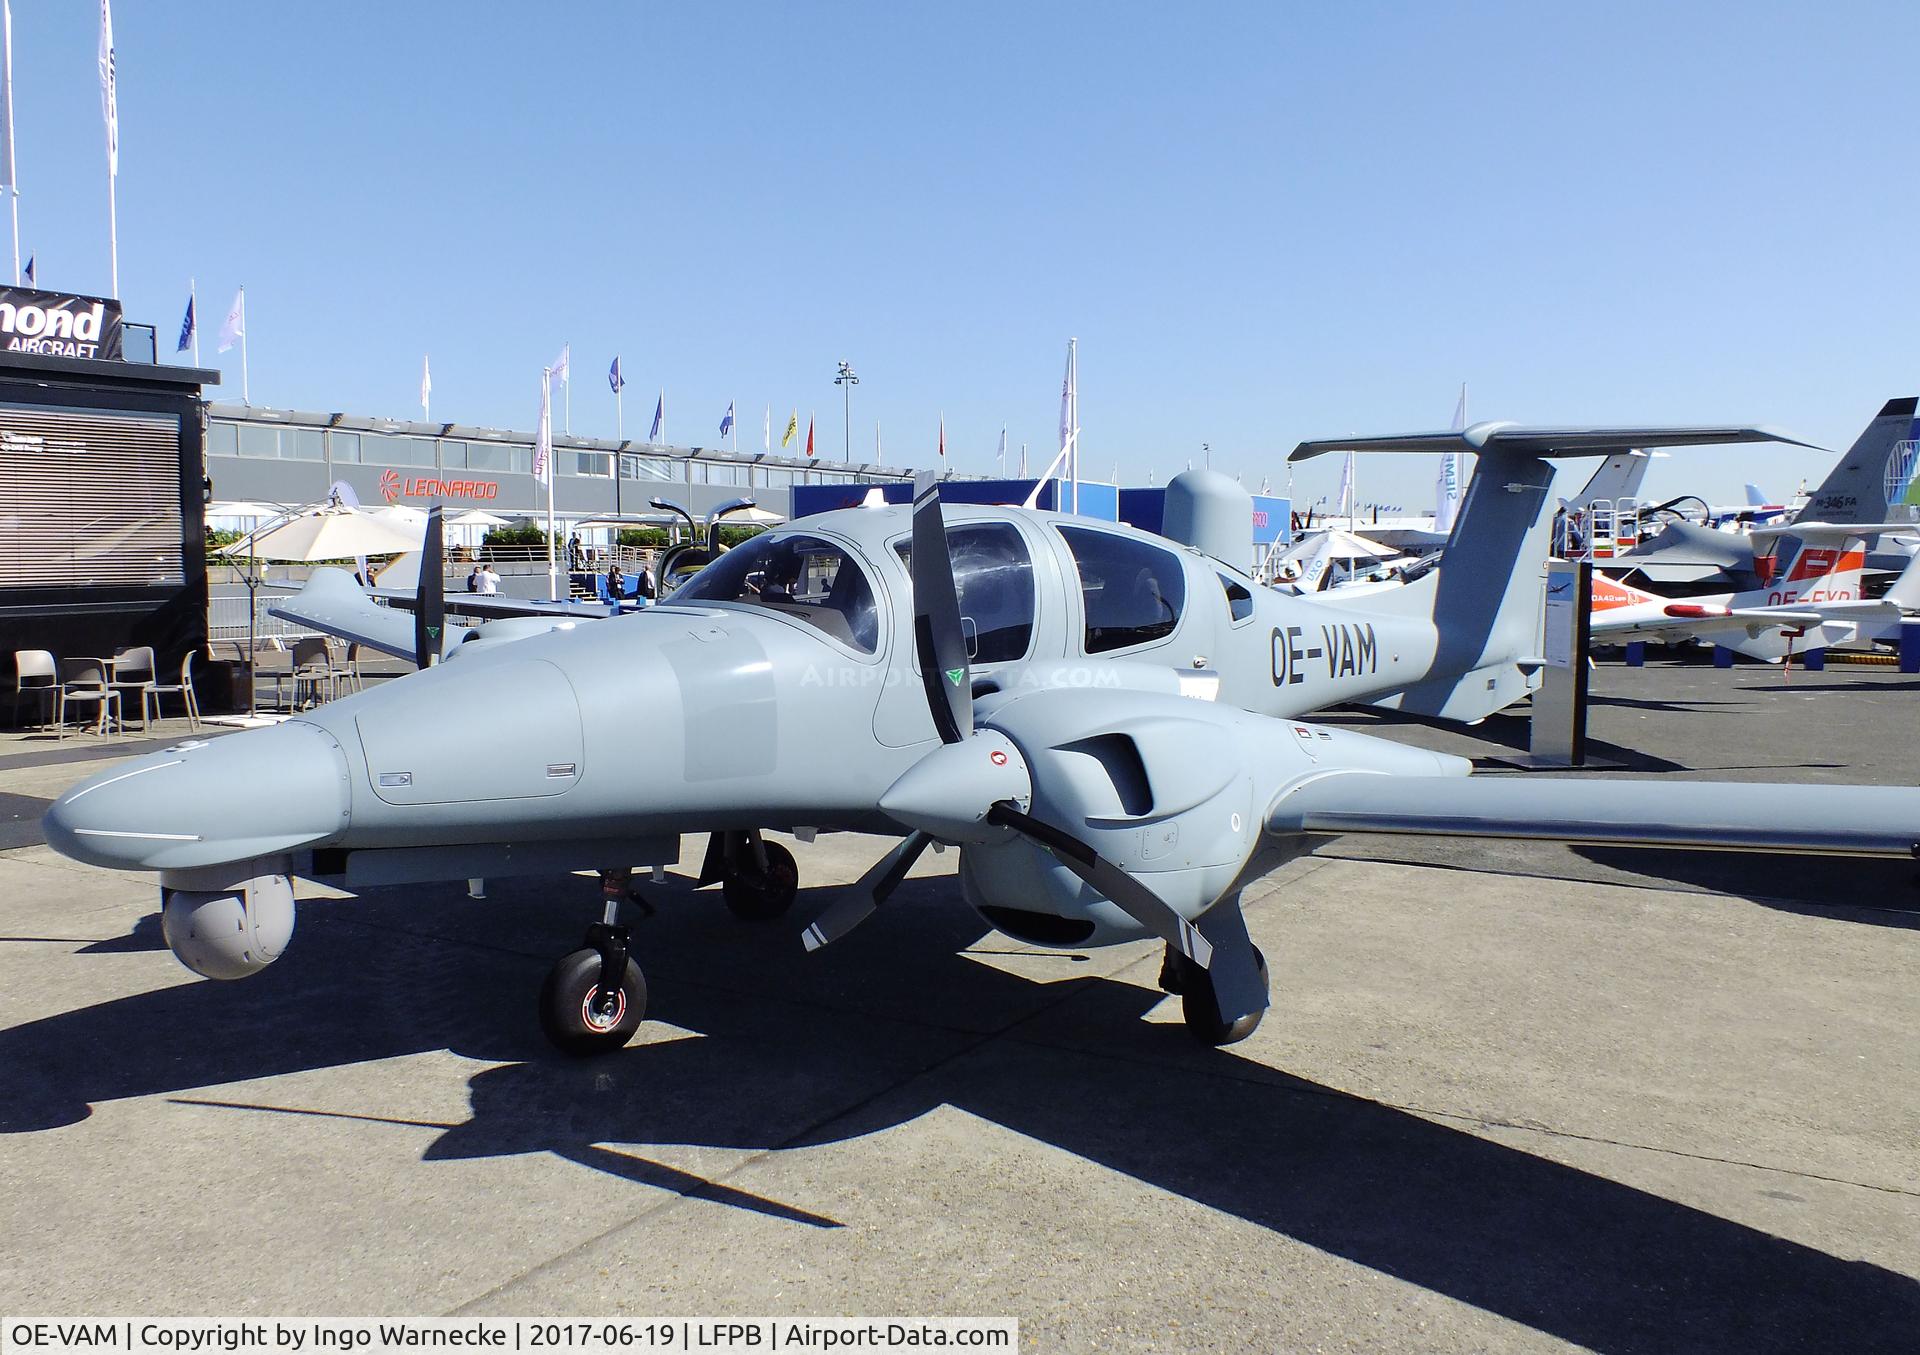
(1485, 598)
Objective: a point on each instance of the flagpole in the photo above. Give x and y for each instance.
(13, 188)
(546, 410)
(619, 420)
(110, 108)
(245, 397)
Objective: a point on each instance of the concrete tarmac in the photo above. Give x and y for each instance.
(1507, 1098)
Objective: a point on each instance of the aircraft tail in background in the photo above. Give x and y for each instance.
(1618, 477)
(1875, 475)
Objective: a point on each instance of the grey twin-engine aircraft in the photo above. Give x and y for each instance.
(1106, 722)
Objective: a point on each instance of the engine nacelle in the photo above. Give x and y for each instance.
(1158, 785)
(229, 933)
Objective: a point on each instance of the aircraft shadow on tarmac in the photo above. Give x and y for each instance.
(1878, 893)
(794, 1051)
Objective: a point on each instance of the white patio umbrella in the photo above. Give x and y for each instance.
(478, 517)
(330, 532)
(752, 517)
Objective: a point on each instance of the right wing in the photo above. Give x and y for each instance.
(1745, 816)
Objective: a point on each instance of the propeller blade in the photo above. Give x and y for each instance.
(1135, 899)
(857, 902)
(937, 637)
(430, 611)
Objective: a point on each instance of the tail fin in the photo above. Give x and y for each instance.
(1820, 570)
(1876, 473)
(1485, 596)
(1756, 496)
(1485, 599)
(1619, 477)
(1609, 593)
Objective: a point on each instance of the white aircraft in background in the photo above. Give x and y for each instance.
(1814, 602)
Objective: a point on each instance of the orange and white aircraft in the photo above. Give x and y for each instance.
(1811, 602)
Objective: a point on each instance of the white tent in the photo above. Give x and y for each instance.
(1336, 544)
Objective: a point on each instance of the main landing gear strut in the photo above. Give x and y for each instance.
(595, 998)
(758, 879)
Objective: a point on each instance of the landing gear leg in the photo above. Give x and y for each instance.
(1222, 1004)
(758, 879)
(594, 999)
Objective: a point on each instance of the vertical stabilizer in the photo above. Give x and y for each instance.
(1873, 481)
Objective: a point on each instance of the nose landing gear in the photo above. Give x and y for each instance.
(595, 998)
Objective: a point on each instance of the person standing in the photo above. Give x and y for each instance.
(488, 582)
(616, 584)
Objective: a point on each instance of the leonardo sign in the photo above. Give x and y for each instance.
(58, 324)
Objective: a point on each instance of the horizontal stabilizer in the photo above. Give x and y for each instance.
(1538, 441)
(332, 602)
(1830, 529)
(1841, 820)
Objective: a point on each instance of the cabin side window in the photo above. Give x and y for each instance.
(1133, 592)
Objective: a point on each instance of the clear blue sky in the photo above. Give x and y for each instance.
(1264, 222)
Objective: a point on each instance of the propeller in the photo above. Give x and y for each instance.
(937, 637)
(430, 609)
(973, 788)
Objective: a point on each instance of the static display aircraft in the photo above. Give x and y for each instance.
(1869, 484)
(1814, 602)
(1107, 723)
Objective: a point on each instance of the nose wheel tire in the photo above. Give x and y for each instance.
(580, 1016)
(761, 896)
(1202, 1012)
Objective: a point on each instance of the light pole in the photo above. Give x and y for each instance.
(846, 381)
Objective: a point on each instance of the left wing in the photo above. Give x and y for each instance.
(1838, 820)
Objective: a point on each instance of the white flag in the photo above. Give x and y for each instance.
(1446, 493)
(543, 439)
(1066, 400)
(1447, 486)
(562, 365)
(235, 327)
(426, 382)
(109, 101)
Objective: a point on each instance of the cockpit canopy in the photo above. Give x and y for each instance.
(804, 577)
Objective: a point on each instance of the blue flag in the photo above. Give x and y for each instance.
(659, 414)
(28, 271)
(186, 328)
(614, 379)
(726, 424)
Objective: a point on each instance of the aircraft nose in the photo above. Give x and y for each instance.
(208, 802)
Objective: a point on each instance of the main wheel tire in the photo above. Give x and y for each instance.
(1203, 1013)
(573, 1017)
(759, 897)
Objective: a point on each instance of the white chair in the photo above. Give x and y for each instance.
(133, 676)
(35, 674)
(183, 689)
(87, 682)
